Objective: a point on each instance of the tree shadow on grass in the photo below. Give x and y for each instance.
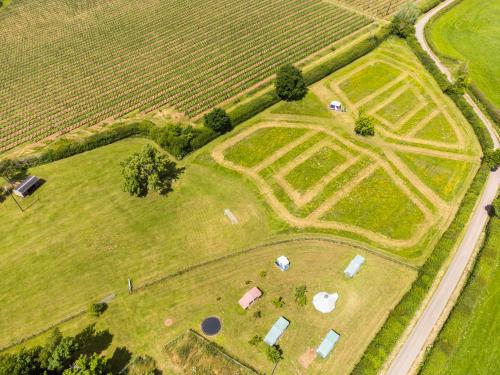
(121, 357)
(92, 341)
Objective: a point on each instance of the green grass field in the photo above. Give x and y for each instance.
(325, 179)
(80, 237)
(470, 341)
(470, 32)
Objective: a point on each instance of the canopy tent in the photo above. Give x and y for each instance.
(328, 343)
(276, 331)
(353, 267)
(336, 105)
(324, 302)
(282, 262)
(250, 297)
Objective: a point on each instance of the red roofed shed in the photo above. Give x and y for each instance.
(250, 297)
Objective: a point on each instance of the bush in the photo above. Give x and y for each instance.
(403, 22)
(290, 84)
(279, 302)
(492, 158)
(254, 341)
(274, 353)
(218, 120)
(148, 170)
(257, 314)
(181, 140)
(300, 295)
(97, 309)
(496, 207)
(263, 274)
(461, 83)
(365, 125)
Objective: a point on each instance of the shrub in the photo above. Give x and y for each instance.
(290, 84)
(218, 120)
(148, 170)
(254, 341)
(403, 22)
(365, 125)
(461, 83)
(300, 295)
(279, 302)
(496, 207)
(274, 353)
(492, 158)
(257, 314)
(263, 274)
(97, 309)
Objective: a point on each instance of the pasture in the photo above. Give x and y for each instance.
(470, 340)
(470, 32)
(68, 63)
(319, 176)
(80, 238)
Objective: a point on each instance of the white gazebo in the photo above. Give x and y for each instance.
(282, 263)
(325, 302)
(336, 106)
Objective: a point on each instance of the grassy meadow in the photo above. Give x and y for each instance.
(80, 237)
(470, 341)
(470, 32)
(295, 170)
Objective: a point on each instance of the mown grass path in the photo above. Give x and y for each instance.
(421, 334)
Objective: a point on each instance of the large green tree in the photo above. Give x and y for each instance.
(148, 170)
(290, 84)
(10, 169)
(89, 365)
(218, 120)
(404, 20)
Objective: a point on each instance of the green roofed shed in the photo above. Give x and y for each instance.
(276, 331)
(328, 343)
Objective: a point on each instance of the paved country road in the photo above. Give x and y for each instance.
(410, 351)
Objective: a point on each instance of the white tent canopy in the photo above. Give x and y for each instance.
(325, 302)
(283, 263)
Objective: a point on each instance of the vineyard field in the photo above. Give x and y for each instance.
(69, 63)
(377, 8)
